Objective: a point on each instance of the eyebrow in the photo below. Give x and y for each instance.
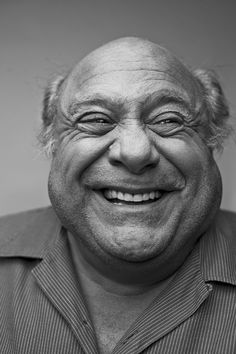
(148, 103)
(103, 101)
(165, 97)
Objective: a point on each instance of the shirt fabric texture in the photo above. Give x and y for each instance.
(42, 310)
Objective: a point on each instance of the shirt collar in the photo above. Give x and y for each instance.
(28, 234)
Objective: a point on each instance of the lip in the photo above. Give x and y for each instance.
(134, 189)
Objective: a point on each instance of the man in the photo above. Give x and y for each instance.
(139, 259)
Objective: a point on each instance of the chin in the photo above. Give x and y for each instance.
(134, 245)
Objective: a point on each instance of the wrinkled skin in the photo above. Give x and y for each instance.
(122, 124)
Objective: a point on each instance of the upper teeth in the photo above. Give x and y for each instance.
(113, 194)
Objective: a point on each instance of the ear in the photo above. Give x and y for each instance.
(50, 100)
(49, 112)
(216, 106)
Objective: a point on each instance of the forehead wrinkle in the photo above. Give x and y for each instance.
(101, 73)
(129, 104)
(168, 75)
(187, 85)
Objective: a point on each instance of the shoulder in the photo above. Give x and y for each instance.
(228, 215)
(28, 233)
(226, 222)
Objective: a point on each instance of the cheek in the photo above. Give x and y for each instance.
(202, 194)
(189, 155)
(75, 156)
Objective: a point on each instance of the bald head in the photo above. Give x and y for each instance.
(132, 53)
(131, 49)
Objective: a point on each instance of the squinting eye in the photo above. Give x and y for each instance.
(170, 122)
(94, 118)
(100, 120)
(94, 123)
(167, 126)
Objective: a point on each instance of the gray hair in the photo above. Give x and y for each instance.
(49, 113)
(214, 109)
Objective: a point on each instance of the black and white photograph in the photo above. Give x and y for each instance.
(118, 177)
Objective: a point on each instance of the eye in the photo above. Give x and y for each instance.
(95, 122)
(167, 123)
(94, 118)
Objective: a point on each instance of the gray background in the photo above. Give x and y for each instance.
(40, 38)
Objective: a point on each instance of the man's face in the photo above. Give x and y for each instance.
(131, 177)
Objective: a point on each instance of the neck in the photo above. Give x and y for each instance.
(121, 280)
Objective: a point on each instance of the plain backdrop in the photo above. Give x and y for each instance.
(43, 37)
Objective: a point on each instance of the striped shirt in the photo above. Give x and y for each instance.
(42, 310)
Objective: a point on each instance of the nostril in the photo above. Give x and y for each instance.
(134, 162)
(135, 150)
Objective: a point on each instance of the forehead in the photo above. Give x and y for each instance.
(130, 73)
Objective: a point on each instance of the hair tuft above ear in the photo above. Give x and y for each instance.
(50, 99)
(49, 112)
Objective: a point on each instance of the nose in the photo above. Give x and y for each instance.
(134, 149)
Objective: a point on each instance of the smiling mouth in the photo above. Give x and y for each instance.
(118, 197)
